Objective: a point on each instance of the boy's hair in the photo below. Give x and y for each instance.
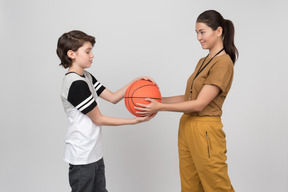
(72, 40)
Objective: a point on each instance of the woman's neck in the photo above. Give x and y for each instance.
(213, 51)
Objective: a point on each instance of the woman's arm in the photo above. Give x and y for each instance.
(206, 95)
(173, 99)
(115, 97)
(99, 119)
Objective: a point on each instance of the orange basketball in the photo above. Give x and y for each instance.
(138, 91)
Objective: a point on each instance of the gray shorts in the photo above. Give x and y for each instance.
(88, 178)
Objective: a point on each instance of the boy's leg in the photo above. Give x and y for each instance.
(81, 177)
(100, 181)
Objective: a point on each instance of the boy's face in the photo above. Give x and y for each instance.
(83, 56)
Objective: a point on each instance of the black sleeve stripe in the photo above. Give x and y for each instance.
(85, 103)
(93, 79)
(97, 85)
(80, 96)
(99, 88)
(89, 108)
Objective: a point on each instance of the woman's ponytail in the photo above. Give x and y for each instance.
(228, 40)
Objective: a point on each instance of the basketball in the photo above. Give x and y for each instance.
(138, 91)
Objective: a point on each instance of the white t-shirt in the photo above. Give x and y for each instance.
(79, 95)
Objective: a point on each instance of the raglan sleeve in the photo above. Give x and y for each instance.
(99, 88)
(221, 75)
(81, 97)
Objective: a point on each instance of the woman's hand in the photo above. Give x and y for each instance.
(150, 109)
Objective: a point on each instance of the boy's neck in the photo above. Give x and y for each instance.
(78, 70)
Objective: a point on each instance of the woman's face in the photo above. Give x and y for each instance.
(207, 37)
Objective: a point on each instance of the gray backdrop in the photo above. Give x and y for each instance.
(155, 38)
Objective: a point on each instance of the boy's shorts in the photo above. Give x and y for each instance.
(88, 178)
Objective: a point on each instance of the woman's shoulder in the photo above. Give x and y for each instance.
(223, 61)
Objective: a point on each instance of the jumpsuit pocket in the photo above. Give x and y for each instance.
(208, 144)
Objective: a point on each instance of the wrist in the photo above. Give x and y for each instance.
(135, 121)
(162, 107)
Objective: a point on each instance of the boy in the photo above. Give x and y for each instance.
(79, 94)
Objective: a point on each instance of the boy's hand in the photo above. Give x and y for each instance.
(146, 78)
(145, 118)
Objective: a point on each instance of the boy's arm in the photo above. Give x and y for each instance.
(99, 119)
(115, 97)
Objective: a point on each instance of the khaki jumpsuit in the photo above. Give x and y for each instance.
(201, 140)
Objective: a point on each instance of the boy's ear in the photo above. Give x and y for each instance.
(71, 54)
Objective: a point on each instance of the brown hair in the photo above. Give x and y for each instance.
(72, 40)
(213, 19)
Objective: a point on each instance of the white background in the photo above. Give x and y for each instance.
(155, 38)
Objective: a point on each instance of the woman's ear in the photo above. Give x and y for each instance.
(219, 31)
(71, 54)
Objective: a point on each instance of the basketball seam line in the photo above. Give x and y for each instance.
(144, 97)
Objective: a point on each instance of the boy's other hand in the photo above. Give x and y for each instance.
(145, 118)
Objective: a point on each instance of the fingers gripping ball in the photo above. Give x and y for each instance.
(138, 91)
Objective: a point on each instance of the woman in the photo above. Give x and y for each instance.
(201, 140)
